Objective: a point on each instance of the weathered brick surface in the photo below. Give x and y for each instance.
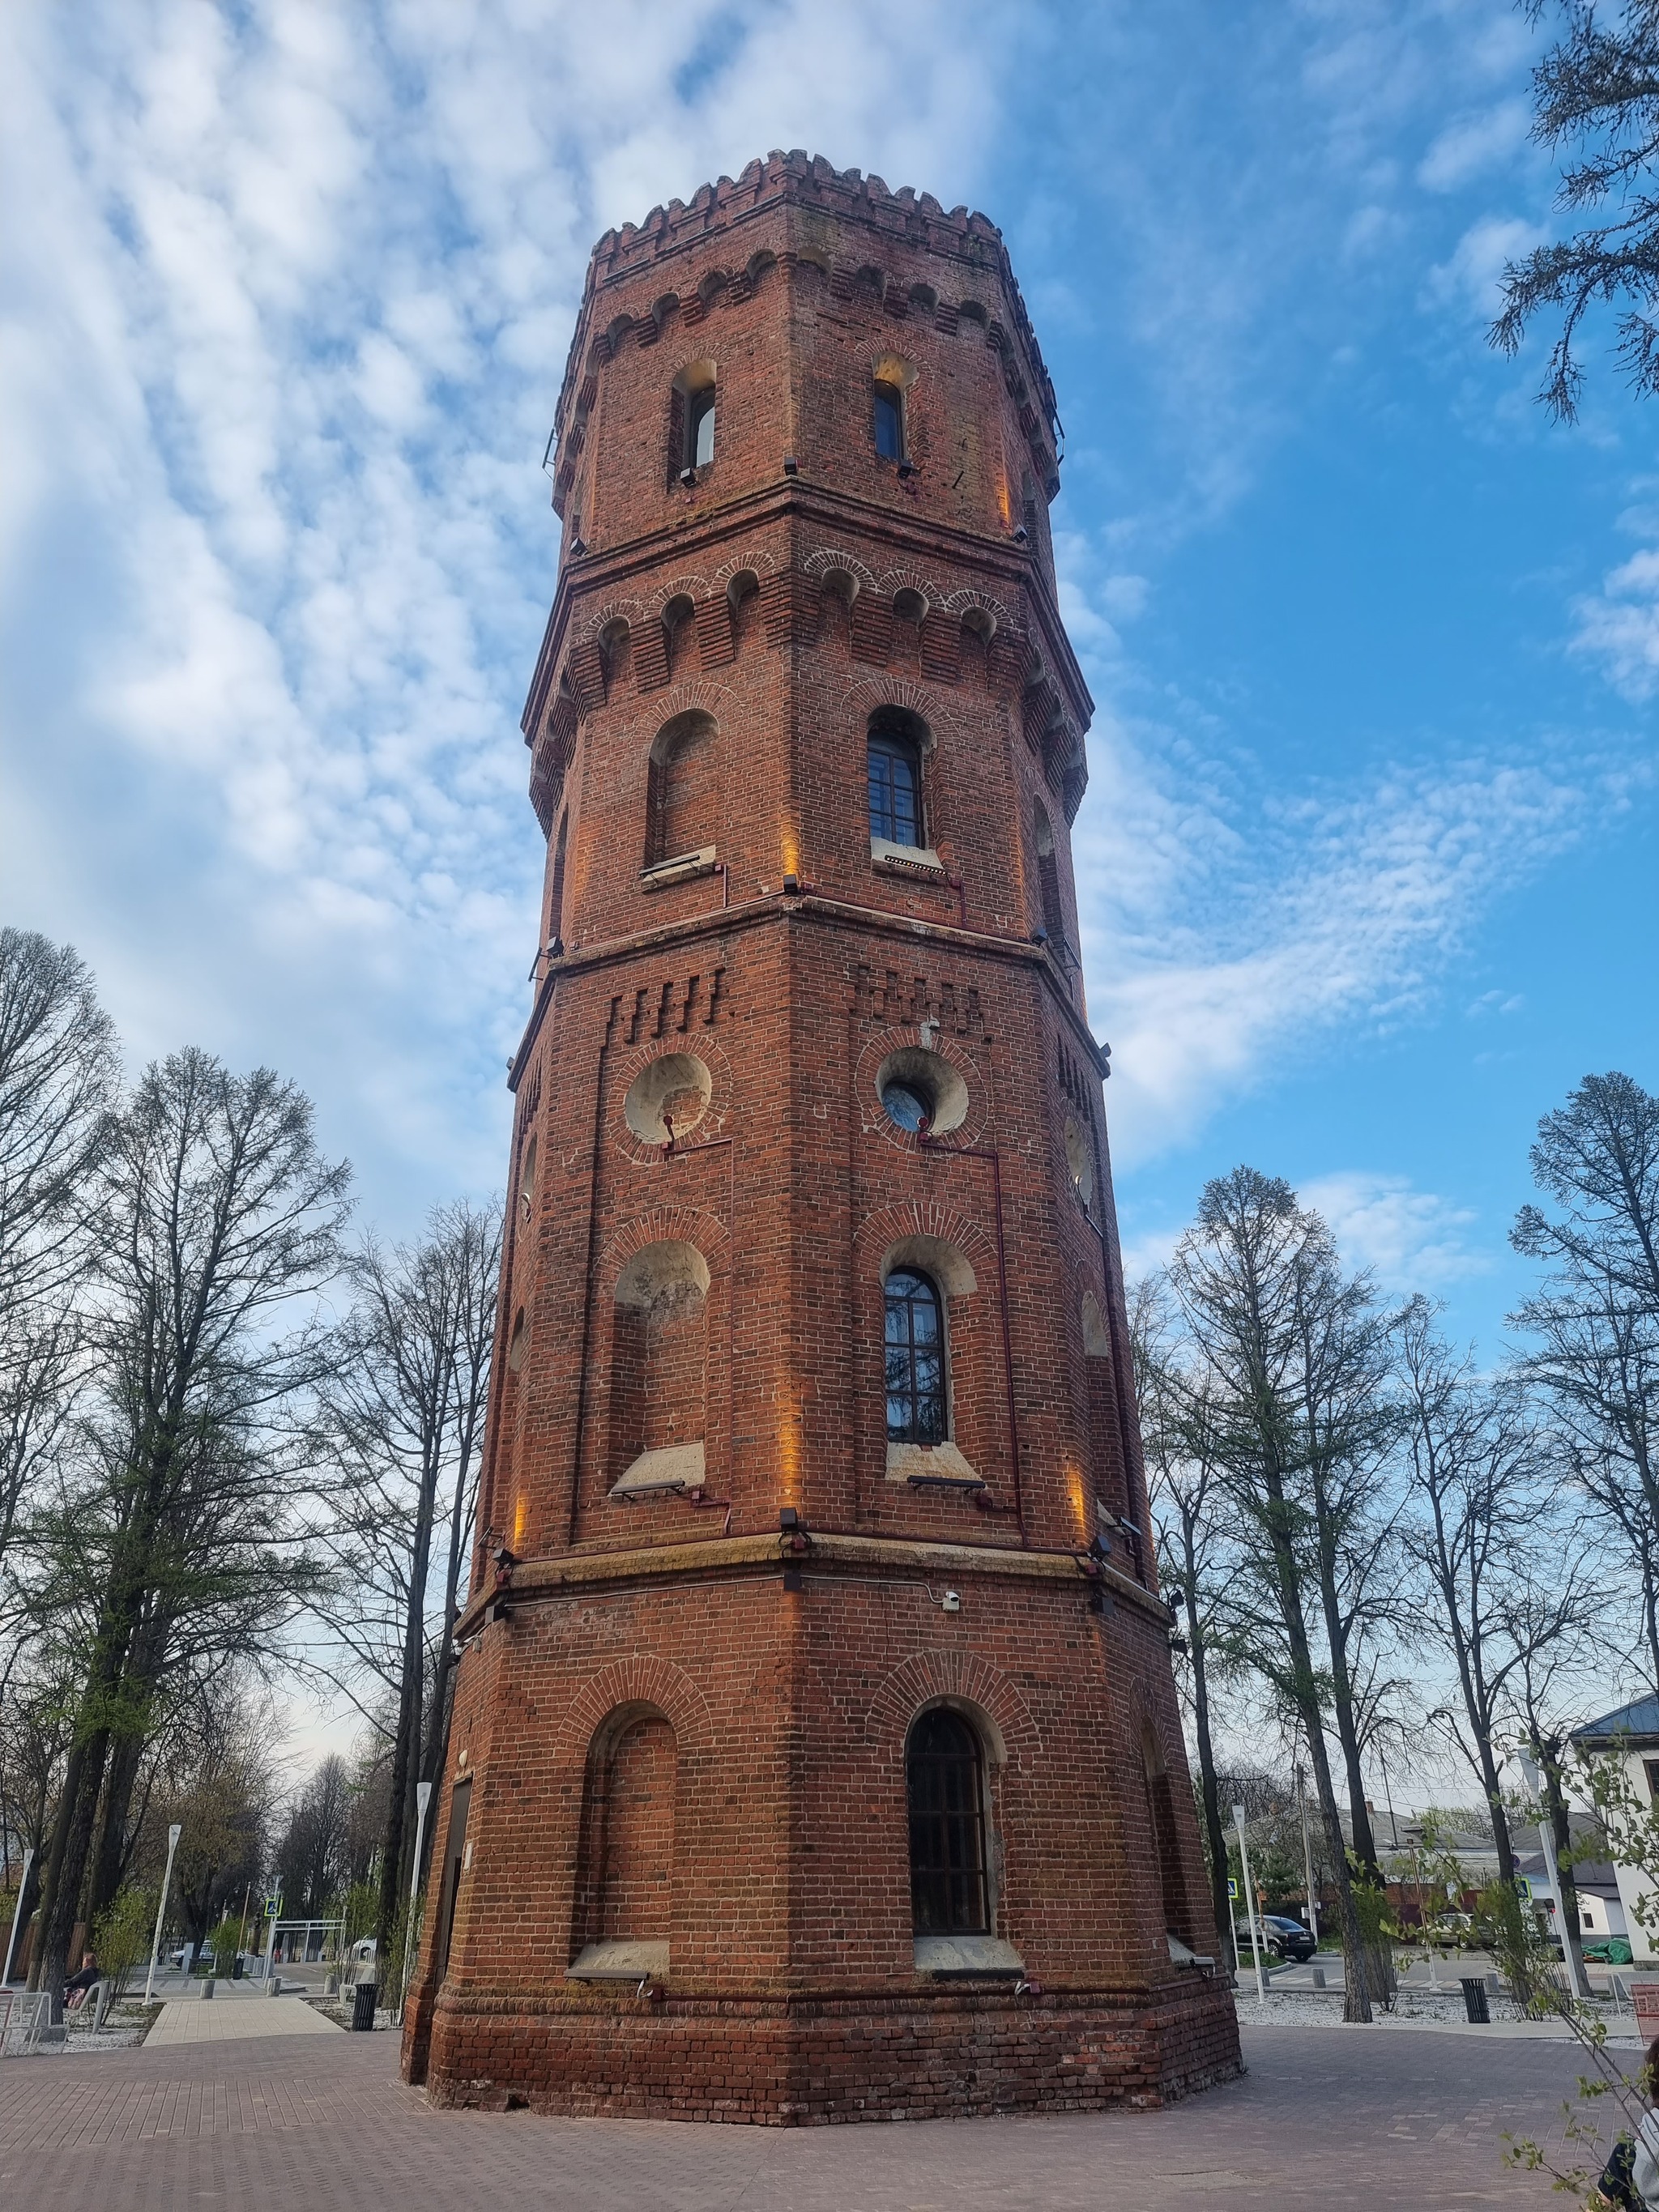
(785, 606)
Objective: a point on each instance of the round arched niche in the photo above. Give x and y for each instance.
(663, 1279)
(676, 1088)
(1079, 1161)
(927, 1077)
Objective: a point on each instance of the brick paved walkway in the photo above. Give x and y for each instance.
(235, 2020)
(1324, 2116)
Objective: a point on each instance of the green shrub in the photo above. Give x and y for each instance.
(121, 1934)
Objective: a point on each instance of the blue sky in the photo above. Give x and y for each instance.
(1365, 858)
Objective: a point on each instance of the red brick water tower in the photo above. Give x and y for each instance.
(816, 1752)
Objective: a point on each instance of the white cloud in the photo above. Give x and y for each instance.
(1618, 625)
(1411, 1239)
(284, 330)
(1473, 143)
(1223, 932)
(1470, 276)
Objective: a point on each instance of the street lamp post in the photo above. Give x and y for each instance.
(1307, 1858)
(1249, 1908)
(423, 1799)
(174, 1834)
(17, 1914)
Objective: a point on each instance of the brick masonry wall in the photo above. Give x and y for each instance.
(791, 975)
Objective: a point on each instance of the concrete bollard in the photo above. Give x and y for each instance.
(207, 1987)
(1319, 1978)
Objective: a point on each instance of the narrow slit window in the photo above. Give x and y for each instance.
(890, 421)
(914, 1345)
(945, 1783)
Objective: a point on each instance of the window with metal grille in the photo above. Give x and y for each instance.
(895, 777)
(915, 1361)
(944, 1780)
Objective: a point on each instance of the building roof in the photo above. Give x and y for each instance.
(1638, 1720)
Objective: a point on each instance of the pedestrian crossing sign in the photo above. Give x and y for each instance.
(273, 1907)
(1232, 1887)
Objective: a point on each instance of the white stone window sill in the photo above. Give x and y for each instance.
(966, 1954)
(906, 860)
(940, 1465)
(619, 1961)
(679, 870)
(670, 1466)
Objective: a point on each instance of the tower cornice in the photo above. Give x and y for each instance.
(1014, 569)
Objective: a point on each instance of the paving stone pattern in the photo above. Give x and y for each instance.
(1322, 2117)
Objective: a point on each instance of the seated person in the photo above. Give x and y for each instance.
(74, 1989)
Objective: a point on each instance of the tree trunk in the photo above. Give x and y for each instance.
(109, 1853)
(61, 1908)
(1355, 1998)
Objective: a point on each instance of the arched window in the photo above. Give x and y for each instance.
(1053, 910)
(916, 1359)
(888, 421)
(944, 1782)
(700, 428)
(895, 777)
(691, 421)
(556, 898)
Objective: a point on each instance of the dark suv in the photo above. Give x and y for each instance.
(1288, 1938)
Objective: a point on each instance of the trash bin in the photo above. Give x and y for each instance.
(362, 2005)
(236, 1968)
(1475, 1999)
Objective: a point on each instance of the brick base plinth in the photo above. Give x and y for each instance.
(805, 2063)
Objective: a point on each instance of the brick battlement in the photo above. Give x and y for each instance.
(904, 217)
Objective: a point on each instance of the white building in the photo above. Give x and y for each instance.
(1631, 1733)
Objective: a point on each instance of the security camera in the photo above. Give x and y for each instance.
(951, 1602)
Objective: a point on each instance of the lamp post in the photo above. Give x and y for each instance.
(1307, 1858)
(174, 1834)
(423, 1799)
(1249, 1908)
(17, 1914)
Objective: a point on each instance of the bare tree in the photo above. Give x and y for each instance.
(1243, 1274)
(315, 1855)
(222, 1218)
(1595, 1318)
(1485, 1510)
(1597, 93)
(1177, 1429)
(58, 1077)
(404, 1420)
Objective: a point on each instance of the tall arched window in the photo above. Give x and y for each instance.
(888, 421)
(1053, 910)
(944, 1782)
(555, 898)
(700, 428)
(895, 777)
(916, 1359)
(691, 421)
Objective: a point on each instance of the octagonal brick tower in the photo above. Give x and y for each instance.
(815, 1752)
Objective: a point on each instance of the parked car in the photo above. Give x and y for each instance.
(1287, 1938)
